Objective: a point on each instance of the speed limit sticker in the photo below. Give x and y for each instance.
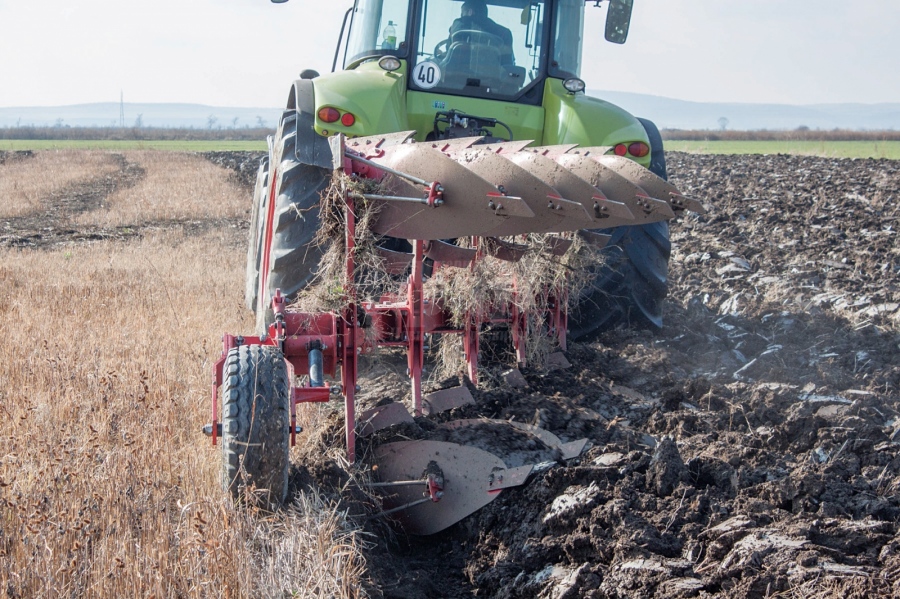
(426, 74)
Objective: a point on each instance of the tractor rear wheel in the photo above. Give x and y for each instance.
(631, 284)
(293, 256)
(255, 424)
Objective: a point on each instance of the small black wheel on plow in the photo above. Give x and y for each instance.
(256, 425)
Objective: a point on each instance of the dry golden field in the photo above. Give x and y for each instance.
(110, 317)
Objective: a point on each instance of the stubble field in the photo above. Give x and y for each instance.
(750, 448)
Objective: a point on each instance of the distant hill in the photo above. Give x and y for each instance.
(197, 116)
(668, 113)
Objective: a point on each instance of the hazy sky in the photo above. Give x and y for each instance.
(246, 52)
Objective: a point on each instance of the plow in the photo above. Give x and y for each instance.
(455, 197)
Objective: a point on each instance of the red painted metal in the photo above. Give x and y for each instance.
(416, 333)
(348, 342)
(398, 321)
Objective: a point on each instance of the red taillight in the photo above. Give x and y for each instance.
(638, 149)
(329, 114)
(348, 119)
(621, 149)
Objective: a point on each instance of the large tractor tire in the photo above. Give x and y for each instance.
(631, 284)
(293, 254)
(251, 291)
(256, 425)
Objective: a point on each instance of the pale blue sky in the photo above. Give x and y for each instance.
(246, 52)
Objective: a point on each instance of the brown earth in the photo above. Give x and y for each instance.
(748, 449)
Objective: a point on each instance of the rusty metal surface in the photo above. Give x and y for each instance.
(598, 240)
(617, 187)
(511, 477)
(548, 211)
(505, 250)
(467, 206)
(506, 147)
(551, 151)
(656, 187)
(570, 186)
(449, 146)
(362, 144)
(382, 417)
(449, 254)
(394, 263)
(546, 437)
(681, 202)
(467, 476)
(572, 449)
(446, 399)
(557, 246)
(592, 151)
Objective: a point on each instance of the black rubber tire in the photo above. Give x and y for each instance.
(294, 257)
(256, 425)
(260, 192)
(631, 285)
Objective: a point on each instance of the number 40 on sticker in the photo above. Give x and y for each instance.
(426, 74)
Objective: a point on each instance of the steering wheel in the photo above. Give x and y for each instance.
(440, 50)
(466, 36)
(476, 36)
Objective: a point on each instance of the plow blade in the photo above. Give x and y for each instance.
(456, 188)
(619, 187)
(551, 212)
(467, 477)
(467, 209)
(574, 188)
(449, 254)
(428, 485)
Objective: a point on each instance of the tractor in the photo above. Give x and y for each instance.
(472, 121)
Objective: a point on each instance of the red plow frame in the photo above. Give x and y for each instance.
(328, 343)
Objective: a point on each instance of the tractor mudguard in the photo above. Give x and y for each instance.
(376, 98)
(586, 121)
(312, 148)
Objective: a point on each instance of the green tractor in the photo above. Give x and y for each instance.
(498, 70)
(458, 135)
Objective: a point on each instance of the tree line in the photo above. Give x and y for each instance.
(55, 133)
(799, 134)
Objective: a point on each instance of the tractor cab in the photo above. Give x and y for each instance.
(492, 49)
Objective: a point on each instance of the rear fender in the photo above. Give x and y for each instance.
(312, 148)
(586, 121)
(376, 98)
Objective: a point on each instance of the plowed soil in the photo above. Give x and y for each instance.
(748, 449)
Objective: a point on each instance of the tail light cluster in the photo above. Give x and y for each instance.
(638, 149)
(329, 114)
